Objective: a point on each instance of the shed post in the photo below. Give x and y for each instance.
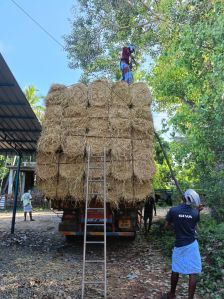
(15, 196)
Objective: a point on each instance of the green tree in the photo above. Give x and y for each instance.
(35, 101)
(185, 41)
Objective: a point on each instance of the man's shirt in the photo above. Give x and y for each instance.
(184, 219)
(26, 197)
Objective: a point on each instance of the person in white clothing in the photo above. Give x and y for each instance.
(27, 207)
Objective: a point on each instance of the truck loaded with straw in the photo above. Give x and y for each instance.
(115, 116)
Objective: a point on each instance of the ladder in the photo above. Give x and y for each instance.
(93, 165)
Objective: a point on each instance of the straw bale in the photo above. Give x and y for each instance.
(118, 111)
(120, 94)
(99, 93)
(114, 192)
(141, 112)
(54, 113)
(76, 95)
(49, 142)
(96, 111)
(76, 189)
(56, 95)
(140, 95)
(119, 190)
(142, 128)
(75, 125)
(75, 111)
(142, 149)
(45, 158)
(142, 189)
(121, 149)
(48, 187)
(62, 189)
(120, 127)
(98, 127)
(72, 171)
(73, 146)
(47, 170)
(98, 173)
(121, 170)
(98, 144)
(144, 170)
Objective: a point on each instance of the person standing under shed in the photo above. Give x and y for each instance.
(186, 256)
(27, 207)
(126, 63)
(150, 205)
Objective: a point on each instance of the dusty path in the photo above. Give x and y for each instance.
(36, 262)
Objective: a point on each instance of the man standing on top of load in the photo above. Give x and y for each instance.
(27, 207)
(126, 63)
(186, 256)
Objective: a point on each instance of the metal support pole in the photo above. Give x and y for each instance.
(15, 196)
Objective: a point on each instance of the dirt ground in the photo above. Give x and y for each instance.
(37, 262)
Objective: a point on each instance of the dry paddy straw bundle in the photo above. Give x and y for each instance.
(97, 144)
(76, 96)
(73, 171)
(97, 111)
(142, 149)
(120, 127)
(56, 95)
(62, 189)
(48, 187)
(48, 170)
(74, 146)
(121, 149)
(142, 128)
(45, 158)
(140, 95)
(142, 189)
(75, 125)
(98, 127)
(76, 189)
(96, 173)
(122, 170)
(49, 142)
(99, 93)
(117, 111)
(75, 111)
(144, 170)
(120, 95)
(142, 113)
(53, 113)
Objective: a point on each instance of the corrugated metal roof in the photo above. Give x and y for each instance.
(19, 126)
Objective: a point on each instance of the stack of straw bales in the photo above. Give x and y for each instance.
(116, 116)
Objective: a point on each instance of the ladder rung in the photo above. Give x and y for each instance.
(95, 167)
(94, 282)
(96, 181)
(95, 261)
(96, 156)
(95, 209)
(94, 242)
(94, 224)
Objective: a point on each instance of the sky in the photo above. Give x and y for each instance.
(33, 57)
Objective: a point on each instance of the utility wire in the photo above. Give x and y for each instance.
(60, 44)
(37, 23)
